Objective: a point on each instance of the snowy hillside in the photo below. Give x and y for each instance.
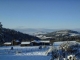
(64, 33)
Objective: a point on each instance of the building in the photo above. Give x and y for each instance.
(40, 42)
(16, 42)
(45, 42)
(25, 43)
(7, 44)
(35, 43)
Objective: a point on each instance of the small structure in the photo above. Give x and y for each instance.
(36, 43)
(40, 42)
(15, 42)
(45, 42)
(25, 43)
(7, 44)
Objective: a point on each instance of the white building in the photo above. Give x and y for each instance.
(7, 44)
(25, 43)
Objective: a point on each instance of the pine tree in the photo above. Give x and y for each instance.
(1, 35)
(0, 28)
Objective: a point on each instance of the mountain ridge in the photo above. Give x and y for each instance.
(35, 30)
(63, 33)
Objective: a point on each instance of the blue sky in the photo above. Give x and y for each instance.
(51, 14)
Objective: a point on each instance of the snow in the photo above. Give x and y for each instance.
(45, 41)
(32, 54)
(38, 41)
(74, 34)
(25, 42)
(57, 43)
(7, 43)
(76, 53)
(24, 57)
(61, 42)
(17, 41)
(23, 53)
(24, 50)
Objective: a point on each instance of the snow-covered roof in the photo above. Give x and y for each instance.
(7, 43)
(25, 42)
(37, 41)
(17, 40)
(45, 41)
(40, 41)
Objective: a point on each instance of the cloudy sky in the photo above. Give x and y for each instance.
(52, 14)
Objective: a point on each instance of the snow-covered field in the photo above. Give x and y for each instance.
(24, 53)
(34, 52)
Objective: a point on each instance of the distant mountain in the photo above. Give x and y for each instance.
(63, 33)
(77, 29)
(32, 31)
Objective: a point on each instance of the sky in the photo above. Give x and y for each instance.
(50, 14)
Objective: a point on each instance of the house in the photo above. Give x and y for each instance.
(40, 42)
(7, 44)
(45, 42)
(25, 43)
(35, 42)
(16, 42)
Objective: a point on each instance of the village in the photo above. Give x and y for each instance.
(28, 43)
(62, 50)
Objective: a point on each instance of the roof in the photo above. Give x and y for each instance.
(41, 41)
(17, 41)
(45, 41)
(25, 42)
(37, 41)
(7, 43)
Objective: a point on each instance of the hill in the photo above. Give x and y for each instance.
(8, 35)
(64, 33)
